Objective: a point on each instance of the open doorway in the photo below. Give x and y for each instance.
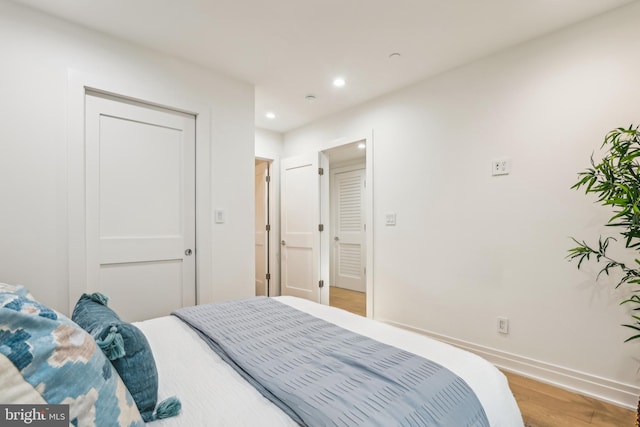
(306, 239)
(262, 227)
(347, 213)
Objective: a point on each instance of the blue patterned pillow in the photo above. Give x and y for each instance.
(16, 289)
(129, 352)
(60, 362)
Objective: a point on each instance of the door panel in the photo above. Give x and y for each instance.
(124, 279)
(140, 175)
(350, 234)
(140, 212)
(300, 214)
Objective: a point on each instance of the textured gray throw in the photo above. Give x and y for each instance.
(324, 375)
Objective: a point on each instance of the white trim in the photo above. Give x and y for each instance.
(617, 393)
(78, 83)
(367, 137)
(368, 191)
(274, 220)
(269, 267)
(325, 219)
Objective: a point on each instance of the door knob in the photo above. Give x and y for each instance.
(188, 252)
(336, 238)
(283, 243)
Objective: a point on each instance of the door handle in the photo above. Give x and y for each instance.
(188, 252)
(283, 243)
(336, 238)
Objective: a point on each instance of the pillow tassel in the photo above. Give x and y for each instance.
(169, 407)
(99, 298)
(112, 345)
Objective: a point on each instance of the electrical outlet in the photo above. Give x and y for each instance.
(500, 166)
(503, 325)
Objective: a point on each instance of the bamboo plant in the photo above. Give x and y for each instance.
(615, 180)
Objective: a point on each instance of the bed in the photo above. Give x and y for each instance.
(213, 393)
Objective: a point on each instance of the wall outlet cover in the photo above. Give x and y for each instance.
(500, 166)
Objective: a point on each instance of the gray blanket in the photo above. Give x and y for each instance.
(324, 375)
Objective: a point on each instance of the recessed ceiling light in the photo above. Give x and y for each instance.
(362, 146)
(339, 82)
(270, 115)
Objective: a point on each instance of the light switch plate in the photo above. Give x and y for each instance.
(219, 216)
(390, 218)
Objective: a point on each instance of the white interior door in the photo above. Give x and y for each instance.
(140, 206)
(261, 197)
(300, 217)
(349, 231)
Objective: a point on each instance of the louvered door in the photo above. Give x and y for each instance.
(349, 237)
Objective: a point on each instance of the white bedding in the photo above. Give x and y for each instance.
(213, 394)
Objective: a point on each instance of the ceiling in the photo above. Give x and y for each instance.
(289, 49)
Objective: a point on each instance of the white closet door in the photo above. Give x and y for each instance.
(140, 212)
(300, 217)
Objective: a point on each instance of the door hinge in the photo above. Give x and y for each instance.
(320, 171)
(321, 284)
(267, 178)
(320, 227)
(268, 276)
(268, 227)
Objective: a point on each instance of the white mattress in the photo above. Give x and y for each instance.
(213, 394)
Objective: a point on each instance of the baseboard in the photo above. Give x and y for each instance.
(613, 392)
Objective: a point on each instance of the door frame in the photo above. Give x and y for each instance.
(78, 84)
(367, 137)
(269, 218)
(274, 219)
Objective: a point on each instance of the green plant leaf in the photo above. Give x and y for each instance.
(614, 180)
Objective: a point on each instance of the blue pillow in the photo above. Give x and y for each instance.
(129, 351)
(16, 289)
(48, 358)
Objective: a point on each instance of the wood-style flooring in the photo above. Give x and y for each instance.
(542, 405)
(355, 302)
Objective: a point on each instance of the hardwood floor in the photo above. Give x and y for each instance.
(542, 405)
(355, 302)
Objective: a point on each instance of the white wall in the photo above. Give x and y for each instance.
(269, 146)
(37, 53)
(469, 247)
